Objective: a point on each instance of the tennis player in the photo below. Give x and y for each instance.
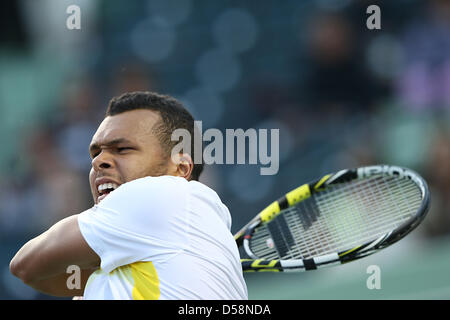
(154, 232)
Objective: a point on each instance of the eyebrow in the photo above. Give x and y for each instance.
(96, 146)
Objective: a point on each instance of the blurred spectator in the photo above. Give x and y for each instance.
(338, 80)
(425, 82)
(51, 191)
(77, 120)
(62, 190)
(132, 76)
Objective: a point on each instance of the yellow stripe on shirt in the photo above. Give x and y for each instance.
(146, 281)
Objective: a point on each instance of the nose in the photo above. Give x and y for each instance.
(102, 161)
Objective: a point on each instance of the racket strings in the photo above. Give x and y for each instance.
(337, 219)
(364, 222)
(381, 202)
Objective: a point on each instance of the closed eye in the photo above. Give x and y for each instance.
(124, 149)
(95, 154)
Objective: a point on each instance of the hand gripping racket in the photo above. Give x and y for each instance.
(336, 219)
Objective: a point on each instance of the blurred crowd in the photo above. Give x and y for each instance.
(341, 95)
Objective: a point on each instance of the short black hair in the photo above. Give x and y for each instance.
(173, 114)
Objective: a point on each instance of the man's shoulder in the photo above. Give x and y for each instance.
(163, 191)
(160, 184)
(163, 187)
(171, 183)
(160, 180)
(157, 192)
(206, 195)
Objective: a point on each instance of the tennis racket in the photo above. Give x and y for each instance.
(336, 219)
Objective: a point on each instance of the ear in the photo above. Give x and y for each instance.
(183, 165)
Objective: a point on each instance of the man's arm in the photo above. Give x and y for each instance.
(42, 262)
(57, 285)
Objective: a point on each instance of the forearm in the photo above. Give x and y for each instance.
(50, 254)
(28, 258)
(63, 285)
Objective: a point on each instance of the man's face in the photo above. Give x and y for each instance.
(124, 149)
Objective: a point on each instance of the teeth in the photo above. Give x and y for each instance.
(105, 186)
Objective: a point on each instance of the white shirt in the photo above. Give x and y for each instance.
(162, 238)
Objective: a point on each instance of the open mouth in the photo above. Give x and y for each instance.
(104, 189)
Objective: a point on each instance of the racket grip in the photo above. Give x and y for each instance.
(259, 265)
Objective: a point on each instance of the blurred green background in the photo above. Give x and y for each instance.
(341, 95)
